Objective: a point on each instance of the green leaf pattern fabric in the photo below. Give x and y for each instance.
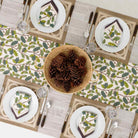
(21, 57)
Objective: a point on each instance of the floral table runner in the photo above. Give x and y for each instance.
(21, 57)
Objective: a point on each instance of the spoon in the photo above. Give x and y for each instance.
(86, 33)
(111, 113)
(113, 127)
(23, 26)
(48, 106)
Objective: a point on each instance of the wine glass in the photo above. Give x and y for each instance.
(43, 92)
(90, 48)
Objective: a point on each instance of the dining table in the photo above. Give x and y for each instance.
(21, 64)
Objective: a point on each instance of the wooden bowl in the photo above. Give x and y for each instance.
(65, 49)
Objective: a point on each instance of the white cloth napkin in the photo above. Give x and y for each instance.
(136, 136)
(79, 23)
(11, 12)
(134, 53)
(125, 119)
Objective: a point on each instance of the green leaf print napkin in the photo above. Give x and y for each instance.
(21, 104)
(112, 34)
(87, 123)
(48, 14)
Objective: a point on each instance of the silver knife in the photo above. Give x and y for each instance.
(66, 118)
(69, 17)
(93, 25)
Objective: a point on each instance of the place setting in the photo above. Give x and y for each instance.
(88, 118)
(48, 18)
(24, 106)
(113, 35)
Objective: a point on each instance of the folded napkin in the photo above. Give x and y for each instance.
(87, 123)
(134, 53)
(11, 12)
(17, 1)
(20, 104)
(48, 14)
(78, 24)
(56, 114)
(125, 119)
(112, 34)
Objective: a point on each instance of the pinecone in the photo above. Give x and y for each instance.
(74, 72)
(58, 60)
(62, 67)
(67, 86)
(58, 82)
(72, 56)
(64, 76)
(80, 62)
(52, 71)
(76, 82)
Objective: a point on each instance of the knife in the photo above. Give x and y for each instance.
(69, 17)
(41, 111)
(66, 118)
(90, 17)
(93, 24)
(87, 32)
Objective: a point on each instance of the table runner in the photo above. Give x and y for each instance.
(19, 55)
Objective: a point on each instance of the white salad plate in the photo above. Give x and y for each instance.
(99, 35)
(100, 123)
(7, 104)
(35, 11)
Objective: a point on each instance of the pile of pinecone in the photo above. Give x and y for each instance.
(68, 71)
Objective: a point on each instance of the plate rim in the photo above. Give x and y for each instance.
(10, 93)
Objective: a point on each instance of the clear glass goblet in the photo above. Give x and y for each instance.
(90, 48)
(43, 92)
(23, 27)
(111, 113)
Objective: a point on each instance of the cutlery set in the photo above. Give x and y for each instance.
(46, 105)
(90, 47)
(23, 26)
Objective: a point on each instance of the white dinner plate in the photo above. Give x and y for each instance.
(35, 11)
(9, 96)
(100, 123)
(99, 34)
